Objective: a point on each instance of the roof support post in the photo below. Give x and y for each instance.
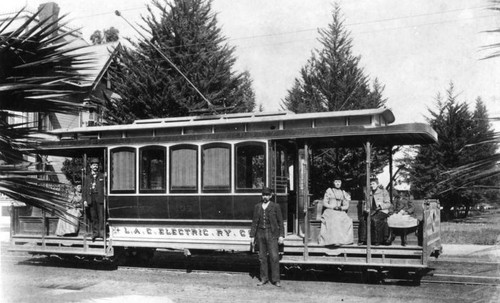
(305, 197)
(368, 195)
(391, 175)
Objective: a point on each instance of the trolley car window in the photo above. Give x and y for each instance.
(123, 170)
(152, 168)
(183, 168)
(216, 167)
(250, 166)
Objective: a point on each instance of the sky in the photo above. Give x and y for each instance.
(415, 48)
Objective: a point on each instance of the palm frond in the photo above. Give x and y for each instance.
(495, 6)
(34, 192)
(39, 70)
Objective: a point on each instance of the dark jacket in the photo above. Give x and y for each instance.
(275, 219)
(403, 204)
(87, 188)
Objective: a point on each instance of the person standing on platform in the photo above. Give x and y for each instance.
(268, 230)
(93, 198)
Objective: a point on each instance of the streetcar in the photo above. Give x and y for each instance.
(190, 183)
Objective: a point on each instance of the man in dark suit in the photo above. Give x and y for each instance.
(267, 228)
(93, 198)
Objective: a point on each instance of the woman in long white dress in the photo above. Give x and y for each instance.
(69, 225)
(336, 226)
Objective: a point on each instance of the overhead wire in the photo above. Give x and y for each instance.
(167, 59)
(347, 24)
(315, 38)
(316, 29)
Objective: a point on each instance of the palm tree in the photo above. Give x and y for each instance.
(37, 68)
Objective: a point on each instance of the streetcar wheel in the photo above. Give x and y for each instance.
(366, 276)
(416, 278)
(119, 256)
(140, 256)
(372, 276)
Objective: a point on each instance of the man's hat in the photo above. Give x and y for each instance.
(373, 179)
(94, 160)
(267, 191)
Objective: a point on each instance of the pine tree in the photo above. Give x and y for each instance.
(485, 189)
(332, 80)
(438, 171)
(96, 37)
(187, 33)
(110, 35)
(482, 131)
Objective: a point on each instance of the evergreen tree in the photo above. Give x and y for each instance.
(332, 80)
(438, 171)
(187, 33)
(97, 37)
(110, 35)
(482, 131)
(487, 166)
(485, 189)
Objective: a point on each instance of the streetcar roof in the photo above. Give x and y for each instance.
(251, 117)
(342, 129)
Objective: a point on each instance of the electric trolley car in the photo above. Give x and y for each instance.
(191, 183)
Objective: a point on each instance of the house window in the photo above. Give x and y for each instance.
(183, 168)
(152, 168)
(123, 170)
(250, 166)
(216, 167)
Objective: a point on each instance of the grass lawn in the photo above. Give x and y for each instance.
(481, 228)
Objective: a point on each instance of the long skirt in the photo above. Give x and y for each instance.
(69, 225)
(401, 221)
(336, 228)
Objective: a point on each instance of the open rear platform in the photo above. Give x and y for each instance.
(78, 245)
(353, 255)
(33, 231)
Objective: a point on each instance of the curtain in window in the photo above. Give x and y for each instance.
(153, 169)
(216, 168)
(123, 170)
(183, 169)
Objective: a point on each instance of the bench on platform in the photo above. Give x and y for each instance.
(354, 212)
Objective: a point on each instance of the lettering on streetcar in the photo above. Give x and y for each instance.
(179, 232)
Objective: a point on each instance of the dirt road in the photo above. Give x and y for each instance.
(49, 279)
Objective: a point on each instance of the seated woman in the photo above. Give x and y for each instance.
(403, 216)
(336, 226)
(69, 225)
(379, 211)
